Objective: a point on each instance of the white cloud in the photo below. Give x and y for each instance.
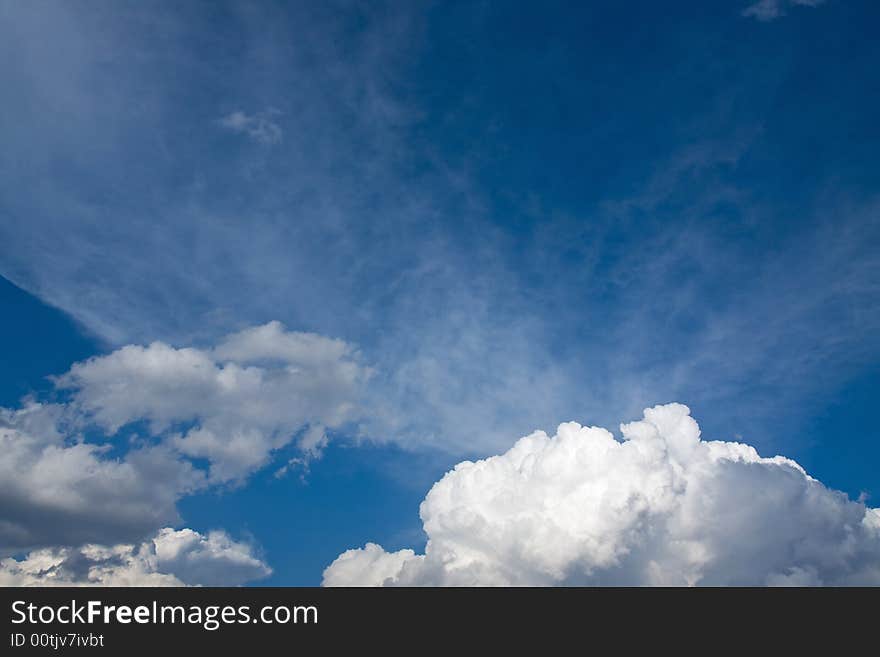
(255, 392)
(170, 558)
(260, 126)
(68, 476)
(660, 507)
(368, 566)
(768, 10)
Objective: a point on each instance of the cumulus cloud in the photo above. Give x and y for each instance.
(171, 558)
(143, 426)
(260, 127)
(368, 566)
(256, 391)
(57, 489)
(659, 507)
(768, 10)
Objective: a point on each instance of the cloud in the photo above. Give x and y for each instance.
(468, 311)
(57, 489)
(660, 507)
(134, 429)
(768, 10)
(233, 404)
(368, 566)
(171, 558)
(260, 127)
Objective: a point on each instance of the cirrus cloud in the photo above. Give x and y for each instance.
(260, 127)
(768, 10)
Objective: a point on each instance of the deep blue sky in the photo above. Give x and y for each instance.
(521, 213)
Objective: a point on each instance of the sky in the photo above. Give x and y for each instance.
(271, 270)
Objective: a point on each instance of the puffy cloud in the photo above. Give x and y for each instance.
(58, 491)
(768, 10)
(171, 558)
(260, 127)
(368, 566)
(659, 507)
(69, 476)
(55, 490)
(233, 404)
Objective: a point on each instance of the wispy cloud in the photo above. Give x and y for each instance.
(261, 127)
(768, 10)
(359, 231)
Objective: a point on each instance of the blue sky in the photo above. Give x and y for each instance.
(513, 215)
